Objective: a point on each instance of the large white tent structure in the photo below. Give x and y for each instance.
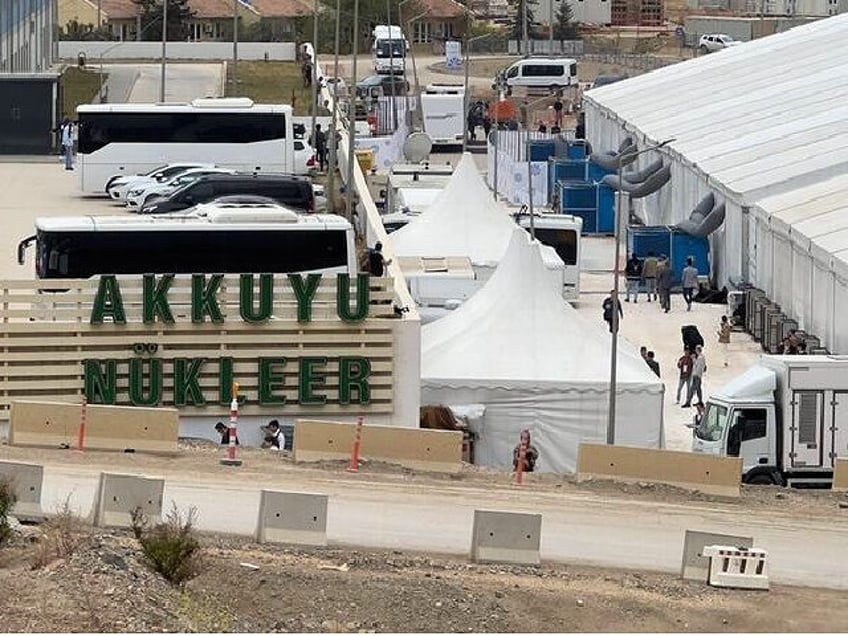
(520, 350)
(761, 120)
(463, 221)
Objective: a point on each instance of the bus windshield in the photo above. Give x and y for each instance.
(712, 424)
(563, 241)
(390, 48)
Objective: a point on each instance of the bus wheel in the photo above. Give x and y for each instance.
(761, 480)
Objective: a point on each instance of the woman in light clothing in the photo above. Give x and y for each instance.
(723, 337)
(689, 282)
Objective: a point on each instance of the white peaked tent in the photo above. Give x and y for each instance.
(463, 221)
(520, 350)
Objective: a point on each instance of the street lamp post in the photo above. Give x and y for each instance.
(351, 117)
(331, 171)
(164, 48)
(616, 301)
(235, 45)
(314, 71)
(465, 95)
(500, 83)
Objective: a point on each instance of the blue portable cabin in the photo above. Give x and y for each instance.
(662, 239)
(592, 202)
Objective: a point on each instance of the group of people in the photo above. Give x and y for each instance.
(318, 141)
(478, 115)
(273, 437)
(691, 366)
(654, 276)
(792, 345)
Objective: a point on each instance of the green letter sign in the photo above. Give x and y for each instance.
(101, 384)
(154, 382)
(270, 379)
(108, 302)
(187, 381)
(203, 298)
(266, 302)
(353, 376)
(304, 294)
(155, 299)
(310, 380)
(343, 297)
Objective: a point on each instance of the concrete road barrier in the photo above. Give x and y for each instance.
(26, 481)
(119, 495)
(506, 537)
(706, 473)
(695, 566)
(744, 569)
(57, 424)
(416, 448)
(292, 517)
(840, 474)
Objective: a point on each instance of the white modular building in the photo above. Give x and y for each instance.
(764, 126)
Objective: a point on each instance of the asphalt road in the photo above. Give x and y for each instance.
(183, 82)
(577, 528)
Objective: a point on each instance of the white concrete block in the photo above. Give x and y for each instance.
(292, 517)
(695, 566)
(506, 537)
(26, 481)
(119, 495)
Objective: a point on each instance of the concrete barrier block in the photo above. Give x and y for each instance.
(506, 537)
(119, 495)
(840, 474)
(26, 480)
(695, 566)
(292, 517)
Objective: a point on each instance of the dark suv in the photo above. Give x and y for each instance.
(292, 191)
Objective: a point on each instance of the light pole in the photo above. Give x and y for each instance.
(331, 171)
(314, 71)
(351, 117)
(235, 43)
(500, 83)
(614, 335)
(164, 47)
(465, 95)
(526, 27)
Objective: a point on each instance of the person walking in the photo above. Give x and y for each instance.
(558, 111)
(699, 368)
(690, 282)
(610, 306)
(655, 366)
(67, 133)
(377, 263)
(684, 367)
(633, 274)
(649, 275)
(723, 334)
(319, 142)
(664, 283)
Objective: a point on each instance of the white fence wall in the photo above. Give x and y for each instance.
(278, 51)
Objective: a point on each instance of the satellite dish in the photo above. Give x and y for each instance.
(417, 147)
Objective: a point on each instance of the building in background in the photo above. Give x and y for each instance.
(443, 20)
(29, 87)
(637, 12)
(582, 11)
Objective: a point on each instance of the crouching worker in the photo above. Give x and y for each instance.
(530, 453)
(224, 432)
(275, 439)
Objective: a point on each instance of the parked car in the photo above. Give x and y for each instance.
(304, 157)
(291, 190)
(375, 86)
(553, 73)
(607, 78)
(710, 42)
(119, 186)
(336, 84)
(138, 196)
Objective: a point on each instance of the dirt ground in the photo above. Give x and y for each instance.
(104, 585)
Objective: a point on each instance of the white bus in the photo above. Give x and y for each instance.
(125, 139)
(562, 233)
(219, 239)
(389, 49)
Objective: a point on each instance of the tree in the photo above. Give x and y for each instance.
(179, 14)
(565, 28)
(518, 26)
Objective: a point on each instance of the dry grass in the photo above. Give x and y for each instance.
(61, 535)
(272, 83)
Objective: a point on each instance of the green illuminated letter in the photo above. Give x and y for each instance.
(203, 298)
(101, 384)
(225, 380)
(266, 284)
(187, 381)
(155, 299)
(353, 375)
(343, 297)
(108, 302)
(311, 379)
(304, 294)
(270, 379)
(154, 381)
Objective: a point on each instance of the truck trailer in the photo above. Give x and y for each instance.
(786, 417)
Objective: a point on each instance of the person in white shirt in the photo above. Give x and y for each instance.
(67, 133)
(275, 439)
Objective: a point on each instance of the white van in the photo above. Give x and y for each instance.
(442, 107)
(553, 73)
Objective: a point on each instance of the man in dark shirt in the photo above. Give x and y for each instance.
(224, 432)
(377, 263)
(655, 366)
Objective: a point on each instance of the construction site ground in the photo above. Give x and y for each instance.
(104, 585)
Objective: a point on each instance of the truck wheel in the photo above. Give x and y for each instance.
(761, 480)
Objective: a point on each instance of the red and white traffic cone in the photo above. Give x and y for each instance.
(231, 448)
(353, 467)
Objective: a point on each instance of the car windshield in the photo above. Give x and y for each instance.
(712, 424)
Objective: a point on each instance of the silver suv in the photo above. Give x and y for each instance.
(710, 42)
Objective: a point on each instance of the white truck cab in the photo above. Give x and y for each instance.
(787, 418)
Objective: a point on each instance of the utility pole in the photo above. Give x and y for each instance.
(314, 71)
(526, 30)
(164, 47)
(331, 172)
(99, 13)
(235, 43)
(351, 116)
(551, 29)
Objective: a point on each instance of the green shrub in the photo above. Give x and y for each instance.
(7, 500)
(171, 547)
